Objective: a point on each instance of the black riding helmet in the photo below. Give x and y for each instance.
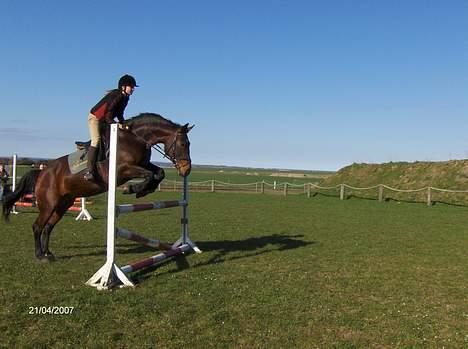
(127, 80)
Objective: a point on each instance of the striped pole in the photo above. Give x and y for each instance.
(130, 235)
(155, 259)
(83, 215)
(149, 206)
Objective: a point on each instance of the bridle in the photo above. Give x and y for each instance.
(171, 151)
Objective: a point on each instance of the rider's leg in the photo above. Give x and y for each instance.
(93, 124)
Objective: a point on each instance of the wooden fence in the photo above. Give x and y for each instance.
(380, 192)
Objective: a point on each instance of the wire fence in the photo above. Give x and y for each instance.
(379, 192)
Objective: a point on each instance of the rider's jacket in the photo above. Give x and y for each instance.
(111, 106)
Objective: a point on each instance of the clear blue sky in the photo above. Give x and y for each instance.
(285, 84)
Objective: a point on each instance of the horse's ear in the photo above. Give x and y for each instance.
(187, 128)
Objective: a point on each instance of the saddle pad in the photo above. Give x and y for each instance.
(78, 161)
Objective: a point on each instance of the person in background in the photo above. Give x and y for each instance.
(111, 106)
(3, 180)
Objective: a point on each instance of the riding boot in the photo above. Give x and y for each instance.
(92, 155)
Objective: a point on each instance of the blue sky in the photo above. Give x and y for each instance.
(284, 84)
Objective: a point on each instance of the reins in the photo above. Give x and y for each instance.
(156, 147)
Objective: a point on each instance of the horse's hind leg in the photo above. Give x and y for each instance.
(38, 228)
(56, 216)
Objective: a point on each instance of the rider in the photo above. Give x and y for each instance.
(111, 106)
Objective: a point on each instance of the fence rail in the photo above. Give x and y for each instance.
(379, 192)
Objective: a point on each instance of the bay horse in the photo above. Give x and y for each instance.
(56, 187)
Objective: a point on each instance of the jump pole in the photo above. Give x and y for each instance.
(84, 213)
(110, 275)
(13, 185)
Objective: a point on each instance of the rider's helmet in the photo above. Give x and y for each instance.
(127, 80)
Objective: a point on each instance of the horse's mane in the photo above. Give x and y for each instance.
(150, 118)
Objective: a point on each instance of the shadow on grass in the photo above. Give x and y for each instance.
(252, 246)
(227, 250)
(224, 250)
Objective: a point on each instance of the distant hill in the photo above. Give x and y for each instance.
(404, 175)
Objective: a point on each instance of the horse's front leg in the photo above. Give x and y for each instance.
(132, 171)
(158, 175)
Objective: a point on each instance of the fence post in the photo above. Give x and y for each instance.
(381, 188)
(263, 187)
(212, 186)
(342, 191)
(13, 187)
(429, 197)
(308, 189)
(285, 189)
(274, 185)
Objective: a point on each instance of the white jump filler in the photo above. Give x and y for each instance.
(110, 275)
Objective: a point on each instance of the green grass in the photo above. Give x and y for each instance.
(275, 272)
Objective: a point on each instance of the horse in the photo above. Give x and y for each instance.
(56, 187)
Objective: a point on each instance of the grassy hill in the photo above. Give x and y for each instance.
(451, 175)
(404, 175)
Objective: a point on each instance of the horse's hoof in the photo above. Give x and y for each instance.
(127, 190)
(42, 259)
(50, 257)
(46, 258)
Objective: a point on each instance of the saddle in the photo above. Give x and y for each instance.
(82, 145)
(102, 152)
(103, 147)
(78, 160)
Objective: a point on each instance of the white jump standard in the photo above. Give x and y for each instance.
(110, 275)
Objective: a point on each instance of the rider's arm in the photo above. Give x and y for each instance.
(116, 107)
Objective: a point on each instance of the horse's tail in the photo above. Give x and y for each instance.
(25, 185)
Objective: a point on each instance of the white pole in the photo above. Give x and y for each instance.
(185, 238)
(13, 185)
(110, 274)
(84, 213)
(111, 195)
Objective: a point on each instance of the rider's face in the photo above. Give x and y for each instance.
(128, 90)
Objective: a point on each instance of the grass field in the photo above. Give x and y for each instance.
(276, 272)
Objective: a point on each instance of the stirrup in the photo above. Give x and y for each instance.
(89, 176)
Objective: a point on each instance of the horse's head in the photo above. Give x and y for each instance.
(152, 129)
(178, 149)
